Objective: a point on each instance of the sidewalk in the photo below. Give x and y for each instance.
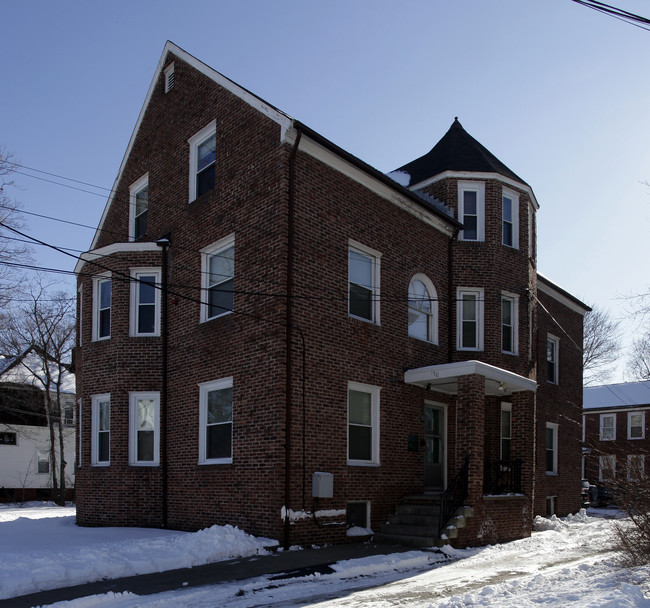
(290, 563)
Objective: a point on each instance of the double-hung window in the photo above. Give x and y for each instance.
(423, 309)
(636, 425)
(203, 148)
(363, 424)
(471, 210)
(217, 278)
(144, 423)
(510, 218)
(145, 302)
(102, 307)
(43, 458)
(607, 427)
(138, 208)
(509, 324)
(606, 467)
(215, 422)
(469, 319)
(506, 430)
(551, 447)
(552, 346)
(636, 467)
(363, 282)
(101, 430)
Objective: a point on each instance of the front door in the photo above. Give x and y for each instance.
(434, 450)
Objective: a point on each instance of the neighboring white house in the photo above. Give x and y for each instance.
(25, 464)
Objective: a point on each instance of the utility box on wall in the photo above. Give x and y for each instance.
(322, 485)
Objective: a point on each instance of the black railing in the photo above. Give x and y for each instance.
(454, 496)
(502, 477)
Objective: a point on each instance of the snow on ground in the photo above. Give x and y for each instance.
(43, 548)
(567, 562)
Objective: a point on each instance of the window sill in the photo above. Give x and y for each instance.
(363, 319)
(144, 465)
(221, 461)
(100, 465)
(552, 474)
(362, 463)
(224, 314)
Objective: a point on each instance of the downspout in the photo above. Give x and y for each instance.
(164, 244)
(288, 336)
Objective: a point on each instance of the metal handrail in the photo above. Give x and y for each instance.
(502, 477)
(454, 496)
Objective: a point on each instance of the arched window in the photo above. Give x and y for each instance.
(423, 309)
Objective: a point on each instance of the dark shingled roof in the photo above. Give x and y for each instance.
(456, 151)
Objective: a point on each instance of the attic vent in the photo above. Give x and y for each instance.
(169, 77)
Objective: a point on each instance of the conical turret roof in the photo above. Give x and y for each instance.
(456, 151)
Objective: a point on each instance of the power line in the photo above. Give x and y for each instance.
(617, 13)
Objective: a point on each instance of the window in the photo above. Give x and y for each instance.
(217, 278)
(145, 302)
(169, 77)
(144, 436)
(101, 429)
(80, 434)
(607, 427)
(551, 447)
(68, 415)
(101, 307)
(606, 467)
(552, 344)
(635, 467)
(203, 149)
(138, 208)
(470, 319)
(80, 331)
(510, 218)
(43, 461)
(550, 505)
(531, 224)
(509, 324)
(636, 425)
(215, 422)
(363, 424)
(423, 309)
(506, 430)
(471, 210)
(363, 283)
(7, 438)
(358, 514)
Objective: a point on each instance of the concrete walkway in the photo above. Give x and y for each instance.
(289, 563)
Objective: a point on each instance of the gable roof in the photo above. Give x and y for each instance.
(284, 120)
(26, 369)
(456, 151)
(622, 395)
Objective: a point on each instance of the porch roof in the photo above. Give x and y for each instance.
(444, 378)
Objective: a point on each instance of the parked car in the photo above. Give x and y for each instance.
(604, 497)
(589, 493)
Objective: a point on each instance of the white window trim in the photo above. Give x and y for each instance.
(601, 436)
(195, 141)
(554, 427)
(556, 363)
(514, 197)
(432, 329)
(134, 397)
(136, 273)
(479, 188)
(514, 299)
(39, 459)
(206, 253)
(604, 458)
(80, 298)
(629, 425)
(80, 432)
(204, 389)
(95, 400)
(133, 190)
(97, 281)
(531, 224)
(376, 276)
(480, 317)
(505, 407)
(630, 459)
(374, 392)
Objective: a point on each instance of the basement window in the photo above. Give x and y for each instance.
(357, 514)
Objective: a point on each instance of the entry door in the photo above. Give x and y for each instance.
(434, 451)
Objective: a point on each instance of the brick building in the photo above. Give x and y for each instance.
(276, 335)
(616, 435)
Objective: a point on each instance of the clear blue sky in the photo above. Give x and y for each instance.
(558, 92)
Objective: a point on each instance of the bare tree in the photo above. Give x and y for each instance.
(45, 322)
(638, 363)
(13, 252)
(600, 346)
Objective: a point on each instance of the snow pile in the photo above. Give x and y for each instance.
(396, 562)
(43, 548)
